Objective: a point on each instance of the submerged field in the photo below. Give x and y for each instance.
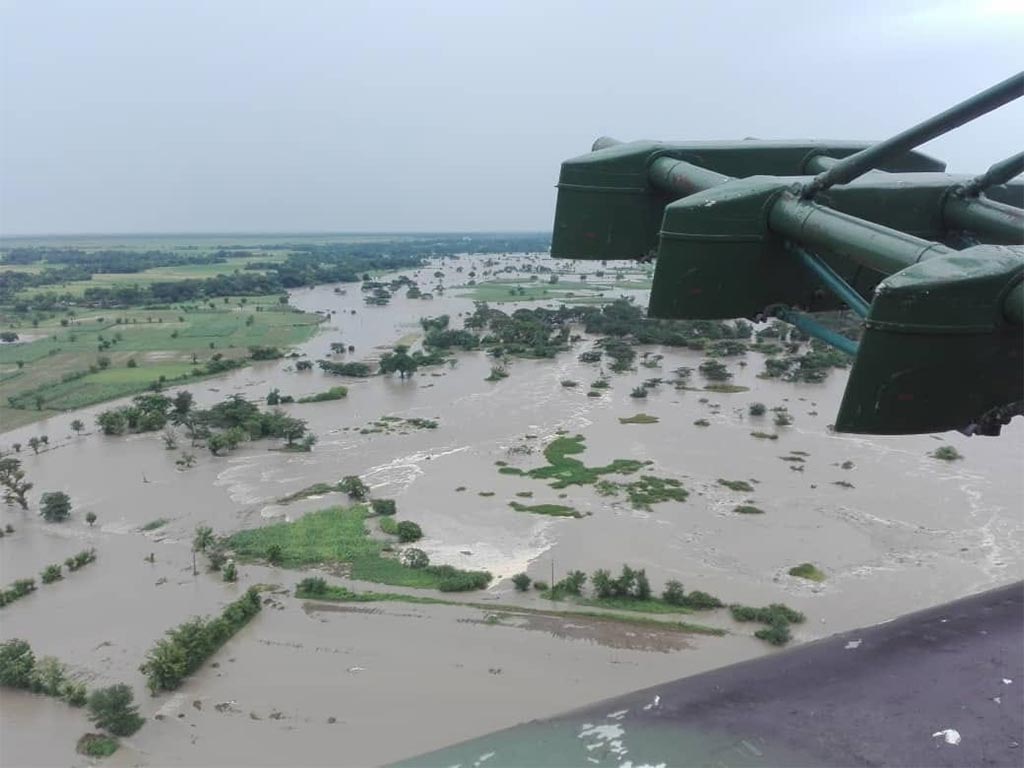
(741, 508)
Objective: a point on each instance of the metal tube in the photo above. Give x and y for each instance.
(681, 178)
(832, 281)
(819, 163)
(812, 327)
(855, 165)
(999, 173)
(996, 222)
(872, 245)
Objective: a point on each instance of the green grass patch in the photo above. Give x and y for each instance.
(748, 509)
(334, 393)
(563, 470)
(97, 745)
(737, 485)
(653, 605)
(807, 571)
(640, 418)
(152, 525)
(554, 510)
(388, 525)
(343, 595)
(727, 389)
(338, 536)
(946, 453)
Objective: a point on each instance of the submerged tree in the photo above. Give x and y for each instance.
(55, 506)
(12, 480)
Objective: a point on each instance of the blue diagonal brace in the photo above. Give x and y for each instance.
(831, 279)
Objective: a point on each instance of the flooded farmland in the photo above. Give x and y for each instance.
(892, 528)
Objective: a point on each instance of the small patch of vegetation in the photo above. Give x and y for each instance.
(764, 435)
(383, 506)
(334, 393)
(18, 589)
(97, 745)
(946, 453)
(563, 470)
(748, 509)
(521, 582)
(640, 418)
(737, 485)
(757, 409)
(51, 573)
(702, 423)
(776, 616)
(554, 510)
(807, 571)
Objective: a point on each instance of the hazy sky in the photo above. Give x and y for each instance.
(353, 115)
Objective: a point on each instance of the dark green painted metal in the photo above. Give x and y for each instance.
(998, 223)
(737, 235)
(998, 173)
(610, 207)
(938, 352)
(982, 103)
(832, 280)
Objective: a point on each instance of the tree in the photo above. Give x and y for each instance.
(522, 582)
(354, 487)
(12, 479)
(182, 405)
(602, 581)
(34, 443)
(113, 709)
(112, 422)
(409, 531)
(202, 539)
(90, 518)
(757, 409)
(16, 664)
(673, 593)
(399, 361)
(55, 506)
(77, 426)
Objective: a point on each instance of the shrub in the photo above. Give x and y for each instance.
(540, 586)
(521, 581)
(702, 601)
(946, 453)
(673, 593)
(409, 531)
(411, 557)
(354, 487)
(274, 554)
(757, 409)
(16, 664)
(383, 506)
(96, 745)
(51, 574)
(311, 585)
(230, 572)
(113, 709)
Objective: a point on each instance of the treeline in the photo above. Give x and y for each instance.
(305, 265)
(186, 647)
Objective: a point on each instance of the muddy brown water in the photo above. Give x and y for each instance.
(401, 679)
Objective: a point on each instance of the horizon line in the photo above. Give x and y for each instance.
(264, 233)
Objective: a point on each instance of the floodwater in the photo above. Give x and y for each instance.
(309, 684)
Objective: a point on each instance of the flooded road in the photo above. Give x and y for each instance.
(903, 531)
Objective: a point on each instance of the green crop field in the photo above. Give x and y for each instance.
(162, 343)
